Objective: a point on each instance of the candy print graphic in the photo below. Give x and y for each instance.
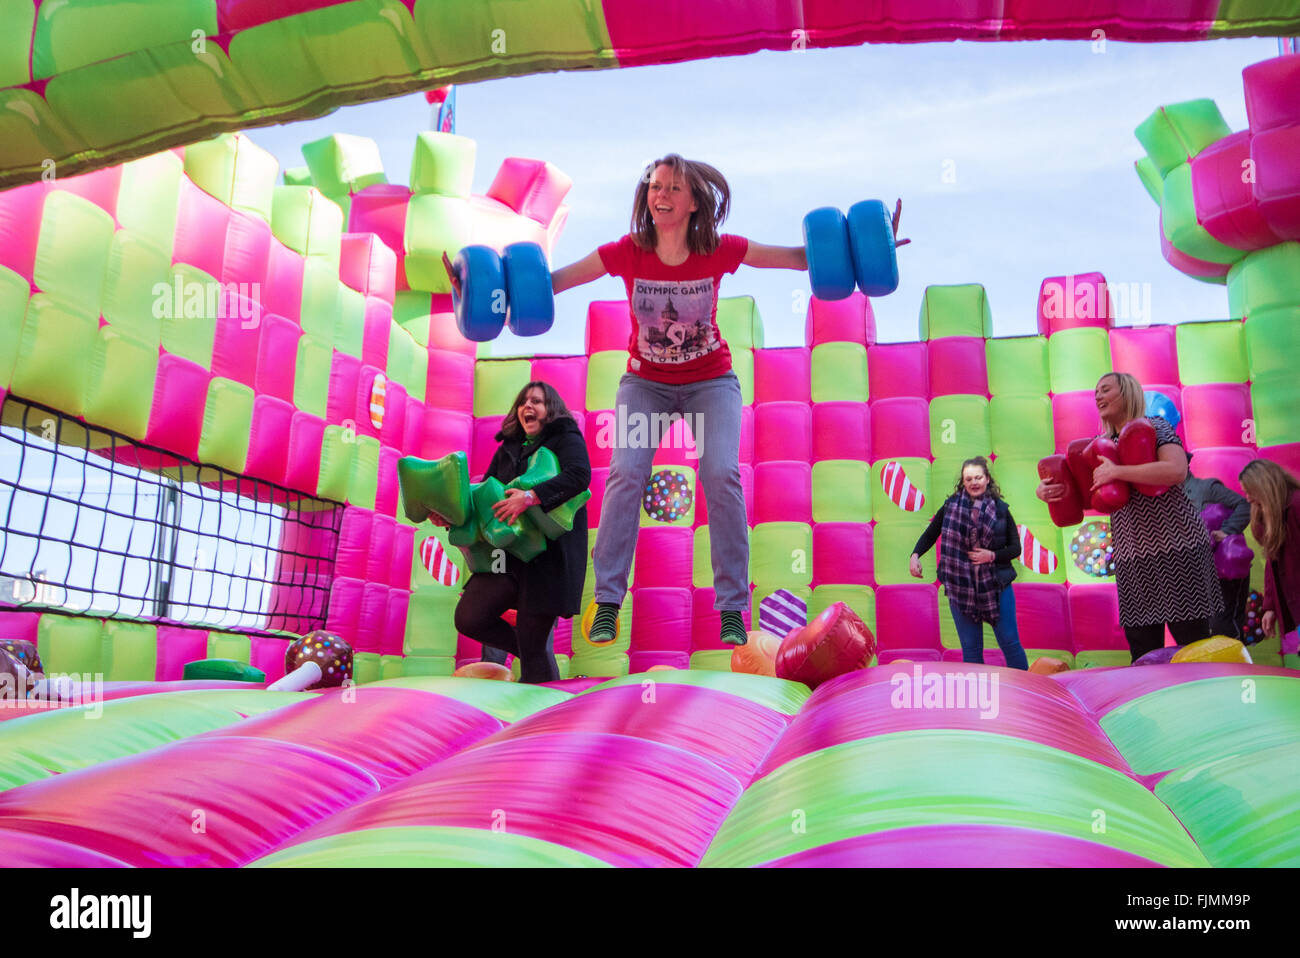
(1034, 556)
(668, 496)
(377, 393)
(439, 564)
(899, 488)
(1091, 549)
(781, 613)
(674, 320)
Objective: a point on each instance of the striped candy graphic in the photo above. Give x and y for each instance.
(900, 489)
(782, 612)
(1034, 555)
(377, 393)
(439, 564)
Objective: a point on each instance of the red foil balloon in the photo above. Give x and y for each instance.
(1113, 495)
(833, 643)
(1137, 447)
(1068, 510)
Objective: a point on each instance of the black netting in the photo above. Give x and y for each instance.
(96, 523)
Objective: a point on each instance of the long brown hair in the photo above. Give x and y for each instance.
(991, 489)
(712, 198)
(1270, 487)
(555, 409)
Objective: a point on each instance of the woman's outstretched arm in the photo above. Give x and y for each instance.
(586, 270)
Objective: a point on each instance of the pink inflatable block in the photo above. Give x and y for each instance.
(609, 325)
(563, 640)
(20, 226)
(900, 427)
(387, 492)
(991, 656)
(395, 406)
(782, 375)
(677, 447)
(360, 407)
(494, 224)
(378, 328)
(1149, 354)
(484, 446)
(373, 615)
(848, 320)
(393, 633)
(443, 331)
(706, 622)
(341, 406)
(1225, 201)
(638, 662)
(176, 647)
(235, 351)
(450, 381)
(247, 255)
(367, 265)
(783, 492)
(842, 554)
(1094, 617)
(746, 483)
(277, 342)
(1216, 414)
(782, 430)
(747, 435)
(201, 224)
(957, 365)
(1042, 615)
(236, 15)
(1277, 179)
(20, 849)
(306, 434)
(413, 428)
(345, 609)
(100, 187)
(176, 417)
(907, 617)
(20, 625)
(533, 188)
(1190, 265)
(268, 441)
(1272, 89)
(841, 430)
(1074, 416)
(267, 653)
(568, 374)
(1286, 455)
(282, 294)
(353, 556)
(599, 476)
(1226, 462)
(379, 562)
(446, 432)
(381, 209)
(599, 449)
(661, 619)
(899, 369)
(664, 557)
(886, 656)
(399, 575)
(1074, 301)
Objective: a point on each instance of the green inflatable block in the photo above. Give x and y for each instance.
(119, 394)
(892, 542)
(13, 316)
(298, 176)
(918, 474)
(428, 846)
(338, 449)
(1078, 358)
(311, 380)
(148, 198)
(1021, 427)
(739, 322)
(222, 670)
(443, 163)
(320, 299)
(839, 373)
(959, 426)
(961, 310)
(440, 486)
(70, 644)
(17, 22)
(30, 129)
(841, 491)
(1101, 659)
(365, 667)
(599, 662)
(701, 560)
(72, 252)
(308, 222)
(1151, 179)
(1064, 655)
(364, 481)
(1273, 342)
(130, 651)
(943, 478)
(1174, 134)
(552, 34)
(435, 225)
(1017, 366)
(710, 661)
(1018, 479)
(561, 665)
(1178, 215)
(227, 422)
(229, 645)
(497, 382)
(54, 355)
(860, 598)
(780, 555)
(604, 370)
(342, 163)
(1264, 279)
(430, 628)
(138, 287)
(391, 667)
(236, 171)
(189, 314)
(409, 362)
(1211, 352)
(1274, 399)
(742, 364)
(350, 329)
(778, 695)
(74, 35)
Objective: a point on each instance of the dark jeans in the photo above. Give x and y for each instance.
(478, 615)
(971, 633)
(1229, 621)
(1147, 638)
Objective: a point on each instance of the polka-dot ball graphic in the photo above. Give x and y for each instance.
(1091, 549)
(668, 496)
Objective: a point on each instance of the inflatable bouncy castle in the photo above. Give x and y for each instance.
(267, 345)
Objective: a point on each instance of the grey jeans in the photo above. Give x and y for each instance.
(712, 408)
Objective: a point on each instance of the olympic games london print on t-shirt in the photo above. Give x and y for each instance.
(674, 320)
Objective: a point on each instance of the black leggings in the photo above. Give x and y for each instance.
(478, 616)
(1147, 638)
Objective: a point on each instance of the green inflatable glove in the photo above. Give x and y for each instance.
(444, 487)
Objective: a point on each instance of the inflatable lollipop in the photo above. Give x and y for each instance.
(318, 660)
(25, 652)
(13, 676)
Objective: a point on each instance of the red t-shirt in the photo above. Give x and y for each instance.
(674, 309)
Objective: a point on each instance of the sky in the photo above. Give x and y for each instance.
(1014, 162)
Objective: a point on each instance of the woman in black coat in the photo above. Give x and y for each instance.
(979, 541)
(550, 586)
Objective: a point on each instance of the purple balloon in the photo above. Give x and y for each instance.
(1160, 656)
(1214, 515)
(1232, 558)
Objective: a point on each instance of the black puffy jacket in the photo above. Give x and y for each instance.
(1005, 544)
